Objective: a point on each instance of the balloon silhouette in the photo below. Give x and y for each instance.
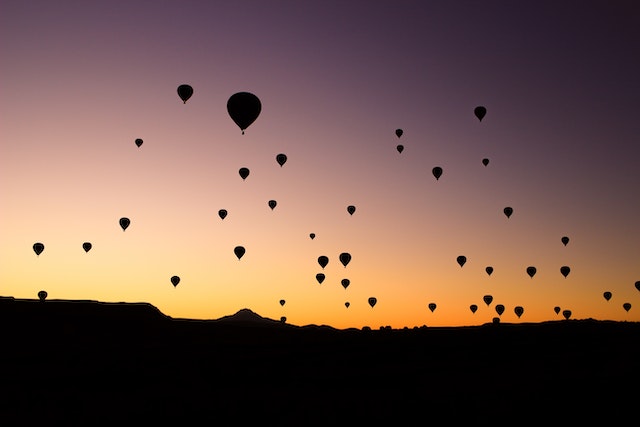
(42, 295)
(345, 258)
(138, 142)
(222, 213)
(531, 271)
(626, 306)
(345, 283)
(320, 277)
(607, 295)
(185, 92)
(282, 302)
(372, 301)
(499, 309)
(175, 280)
(565, 270)
(283, 319)
(351, 209)
(566, 314)
(272, 204)
(485, 161)
(556, 309)
(473, 308)
(347, 304)
(564, 240)
(87, 246)
(508, 211)
(124, 223)
(437, 172)
(400, 148)
(518, 310)
(239, 251)
(489, 270)
(323, 261)
(244, 108)
(38, 248)
(244, 173)
(480, 112)
(432, 306)
(399, 133)
(461, 260)
(312, 235)
(487, 299)
(638, 285)
(281, 159)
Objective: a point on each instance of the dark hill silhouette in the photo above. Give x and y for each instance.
(81, 361)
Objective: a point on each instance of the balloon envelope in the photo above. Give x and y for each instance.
(244, 108)
(272, 204)
(282, 302)
(42, 295)
(347, 304)
(607, 295)
(499, 309)
(222, 213)
(87, 246)
(345, 258)
(320, 277)
(351, 209)
(518, 310)
(399, 133)
(485, 161)
(345, 283)
(239, 251)
(626, 306)
(489, 270)
(185, 92)
(638, 285)
(432, 306)
(565, 270)
(323, 261)
(556, 309)
(244, 173)
(281, 159)
(124, 223)
(508, 211)
(564, 240)
(473, 308)
(175, 280)
(487, 299)
(531, 271)
(38, 248)
(437, 172)
(312, 235)
(480, 112)
(461, 260)
(372, 301)
(400, 148)
(566, 314)
(138, 142)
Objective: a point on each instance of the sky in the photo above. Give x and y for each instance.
(81, 81)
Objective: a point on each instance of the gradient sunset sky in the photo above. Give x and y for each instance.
(81, 81)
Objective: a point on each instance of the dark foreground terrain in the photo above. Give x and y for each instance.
(89, 363)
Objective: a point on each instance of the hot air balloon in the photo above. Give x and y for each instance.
(432, 306)
(495, 320)
(566, 314)
(244, 173)
(473, 308)
(531, 271)
(283, 319)
(638, 285)
(272, 204)
(351, 209)
(124, 223)
(485, 161)
(565, 270)
(323, 261)
(244, 108)
(175, 280)
(347, 304)
(607, 295)
(372, 301)
(345, 283)
(345, 258)
(626, 306)
(556, 309)
(138, 142)
(499, 309)
(312, 235)
(222, 213)
(480, 112)
(461, 260)
(320, 277)
(282, 302)
(281, 159)
(508, 211)
(564, 240)
(489, 270)
(185, 92)
(487, 299)
(518, 310)
(399, 133)
(87, 246)
(400, 148)
(42, 295)
(38, 248)
(239, 251)
(437, 172)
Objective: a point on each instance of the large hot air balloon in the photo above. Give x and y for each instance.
(566, 314)
(345, 283)
(244, 108)
(42, 295)
(473, 308)
(499, 309)
(239, 251)
(565, 270)
(508, 211)
(607, 295)
(626, 306)
(272, 204)
(518, 310)
(461, 260)
(244, 173)
(138, 142)
(480, 112)
(432, 306)
(185, 92)
(556, 309)
(281, 159)
(282, 302)
(351, 209)
(489, 270)
(437, 172)
(345, 258)
(38, 248)
(222, 213)
(87, 246)
(531, 271)
(323, 261)
(487, 299)
(320, 277)
(372, 301)
(485, 161)
(564, 240)
(399, 133)
(124, 223)
(175, 280)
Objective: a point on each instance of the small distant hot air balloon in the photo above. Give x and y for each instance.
(347, 304)
(185, 92)
(244, 108)
(244, 173)
(564, 240)
(351, 209)
(281, 159)
(531, 271)
(124, 223)
(518, 310)
(38, 248)
(487, 299)
(485, 161)
(400, 148)
(345, 258)
(489, 270)
(565, 270)
(138, 142)
(566, 314)
(320, 277)
(282, 302)
(638, 285)
(399, 133)
(175, 280)
(239, 251)
(272, 204)
(345, 283)
(222, 213)
(312, 235)
(87, 246)
(556, 309)
(437, 172)
(283, 319)
(372, 301)
(508, 211)
(499, 309)
(432, 306)
(626, 306)
(323, 261)
(473, 308)
(42, 295)
(607, 295)
(480, 112)
(461, 260)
